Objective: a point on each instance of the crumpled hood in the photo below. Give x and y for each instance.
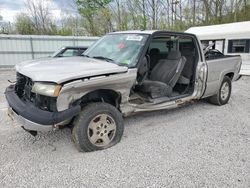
(59, 70)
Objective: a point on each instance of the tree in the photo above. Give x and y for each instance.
(40, 15)
(24, 25)
(89, 10)
(98, 17)
(68, 25)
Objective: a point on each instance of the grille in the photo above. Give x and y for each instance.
(23, 89)
(23, 86)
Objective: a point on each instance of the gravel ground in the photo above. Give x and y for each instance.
(198, 145)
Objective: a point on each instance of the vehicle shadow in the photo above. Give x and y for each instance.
(60, 140)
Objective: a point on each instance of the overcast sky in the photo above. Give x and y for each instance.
(9, 8)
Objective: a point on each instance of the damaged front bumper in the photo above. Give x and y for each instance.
(33, 118)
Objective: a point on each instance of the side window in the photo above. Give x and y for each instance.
(69, 53)
(213, 44)
(81, 51)
(238, 46)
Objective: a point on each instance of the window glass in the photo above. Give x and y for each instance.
(186, 44)
(213, 44)
(163, 44)
(183, 44)
(120, 48)
(238, 46)
(70, 52)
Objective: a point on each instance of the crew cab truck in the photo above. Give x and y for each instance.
(121, 74)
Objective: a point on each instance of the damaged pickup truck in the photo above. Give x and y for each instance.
(121, 74)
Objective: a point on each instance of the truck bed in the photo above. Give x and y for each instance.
(218, 68)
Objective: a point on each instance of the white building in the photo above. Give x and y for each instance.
(230, 39)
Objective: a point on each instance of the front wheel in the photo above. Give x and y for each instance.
(224, 93)
(98, 126)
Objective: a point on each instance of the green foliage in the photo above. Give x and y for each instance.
(92, 5)
(65, 31)
(53, 30)
(240, 15)
(102, 16)
(92, 11)
(24, 25)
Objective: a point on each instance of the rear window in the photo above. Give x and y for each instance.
(163, 44)
(166, 44)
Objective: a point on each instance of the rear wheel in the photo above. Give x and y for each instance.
(224, 93)
(98, 126)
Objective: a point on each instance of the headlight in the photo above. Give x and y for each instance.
(46, 89)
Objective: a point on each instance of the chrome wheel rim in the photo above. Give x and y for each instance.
(224, 91)
(101, 130)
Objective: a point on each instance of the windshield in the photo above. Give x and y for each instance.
(122, 49)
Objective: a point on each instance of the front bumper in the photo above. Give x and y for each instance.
(26, 124)
(33, 118)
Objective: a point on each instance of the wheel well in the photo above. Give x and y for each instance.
(230, 75)
(102, 95)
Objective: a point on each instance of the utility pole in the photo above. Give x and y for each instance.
(194, 11)
(172, 16)
(174, 10)
(180, 11)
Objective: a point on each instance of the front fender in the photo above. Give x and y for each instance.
(120, 83)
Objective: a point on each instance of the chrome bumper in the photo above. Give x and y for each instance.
(33, 118)
(26, 124)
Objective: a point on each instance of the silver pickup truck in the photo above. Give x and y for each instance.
(121, 74)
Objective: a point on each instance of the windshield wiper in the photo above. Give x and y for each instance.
(104, 58)
(84, 55)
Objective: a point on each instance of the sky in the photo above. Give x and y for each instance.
(9, 8)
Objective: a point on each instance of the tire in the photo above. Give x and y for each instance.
(223, 95)
(98, 126)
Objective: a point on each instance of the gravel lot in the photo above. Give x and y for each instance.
(199, 145)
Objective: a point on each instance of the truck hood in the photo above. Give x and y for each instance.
(60, 70)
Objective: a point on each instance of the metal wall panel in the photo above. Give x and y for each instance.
(17, 48)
